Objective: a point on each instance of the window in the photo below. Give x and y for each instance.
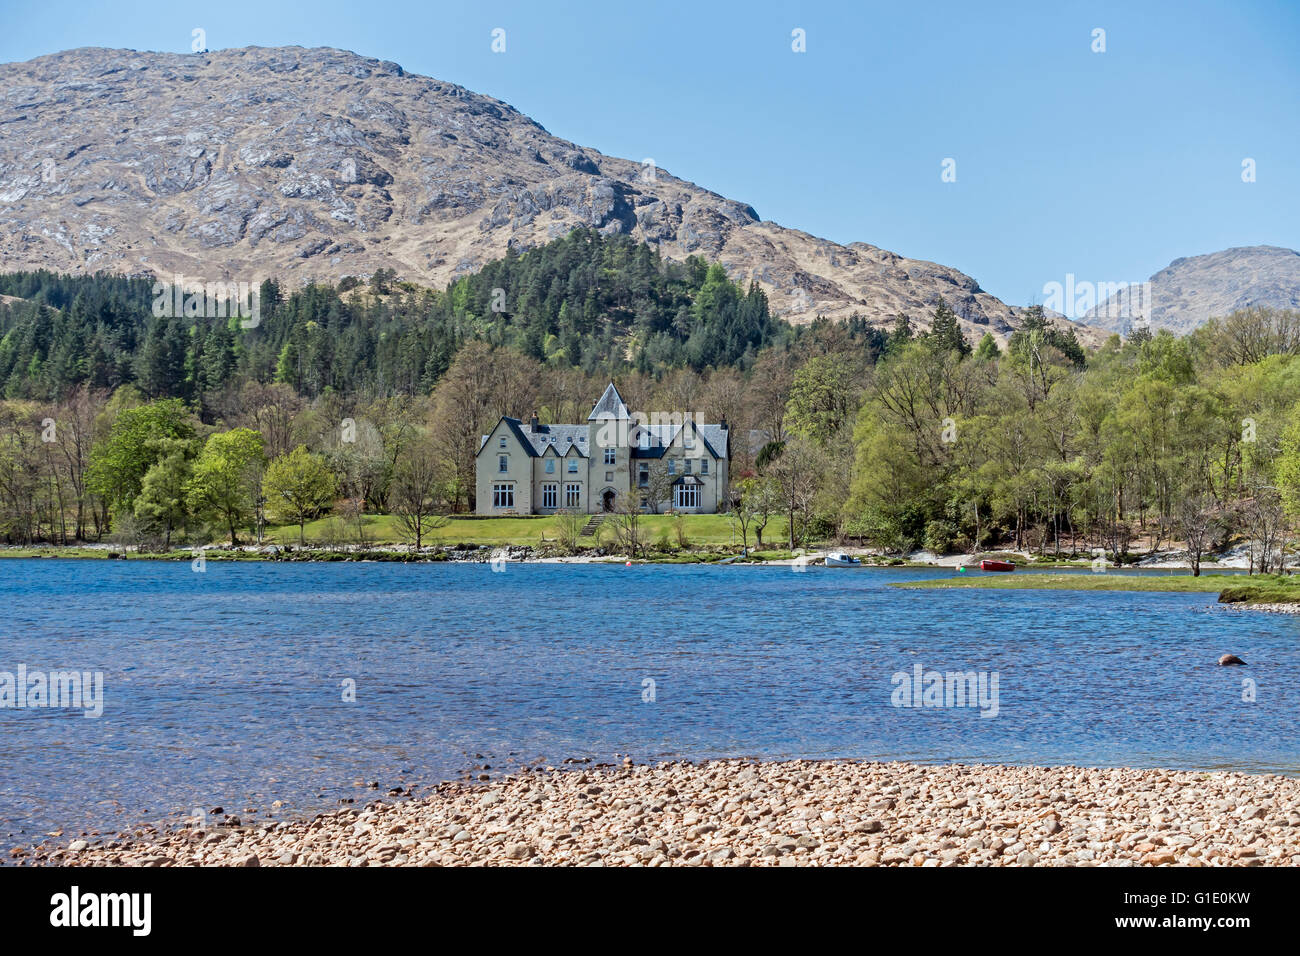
(644, 503)
(688, 440)
(550, 466)
(550, 493)
(609, 476)
(503, 463)
(573, 466)
(672, 466)
(503, 496)
(573, 496)
(704, 466)
(643, 476)
(503, 441)
(688, 496)
(610, 455)
(644, 438)
(688, 466)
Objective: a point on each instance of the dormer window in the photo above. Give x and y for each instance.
(550, 466)
(503, 441)
(573, 466)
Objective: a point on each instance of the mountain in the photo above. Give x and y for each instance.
(1190, 291)
(319, 163)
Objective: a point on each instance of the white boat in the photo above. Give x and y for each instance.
(838, 559)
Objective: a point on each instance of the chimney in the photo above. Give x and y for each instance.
(532, 422)
(724, 423)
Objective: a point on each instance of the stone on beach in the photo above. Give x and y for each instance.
(745, 813)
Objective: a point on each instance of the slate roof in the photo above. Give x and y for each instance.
(610, 405)
(559, 437)
(663, 436)
(564, 437)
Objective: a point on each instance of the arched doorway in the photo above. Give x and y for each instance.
(607, 499)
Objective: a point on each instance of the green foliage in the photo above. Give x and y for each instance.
(945, 332)
(119, 463)
(226, 478)
(769, 453)
(1288, 464)
(1052, 450)
(901, 334)
(939, 536)
(824, 395)
(601, 303)
(161, 507)
(988, 349)
(298, 487)
(1035, 335)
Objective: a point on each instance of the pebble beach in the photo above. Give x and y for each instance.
(746, 813)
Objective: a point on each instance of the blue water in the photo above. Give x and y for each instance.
(224, 688)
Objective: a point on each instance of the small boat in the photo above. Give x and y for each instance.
(989, 564)
(838, 559)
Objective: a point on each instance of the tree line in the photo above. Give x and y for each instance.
(605, 304)
(364, 398)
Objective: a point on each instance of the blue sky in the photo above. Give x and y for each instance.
(1104, 165)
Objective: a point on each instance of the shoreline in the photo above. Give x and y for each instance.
(475, 553)
(738, 812)
(1212, 580)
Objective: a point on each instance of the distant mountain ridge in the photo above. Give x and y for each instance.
(319, 163)
(1190, 291)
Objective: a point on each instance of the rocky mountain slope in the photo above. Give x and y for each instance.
(1192, 290)
(321, 163)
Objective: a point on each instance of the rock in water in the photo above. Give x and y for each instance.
(1227, 660)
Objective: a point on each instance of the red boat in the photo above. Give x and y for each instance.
(990, 565)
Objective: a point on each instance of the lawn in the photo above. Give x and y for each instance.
(386, 530)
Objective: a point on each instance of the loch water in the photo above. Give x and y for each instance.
(231, 687)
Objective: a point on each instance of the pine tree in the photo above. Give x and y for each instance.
(988, 349)
(945, 332)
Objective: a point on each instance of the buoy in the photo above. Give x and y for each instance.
(960, 569)
(1229, 660)
(629, 564)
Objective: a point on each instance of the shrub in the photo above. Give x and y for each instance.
(939, 536)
